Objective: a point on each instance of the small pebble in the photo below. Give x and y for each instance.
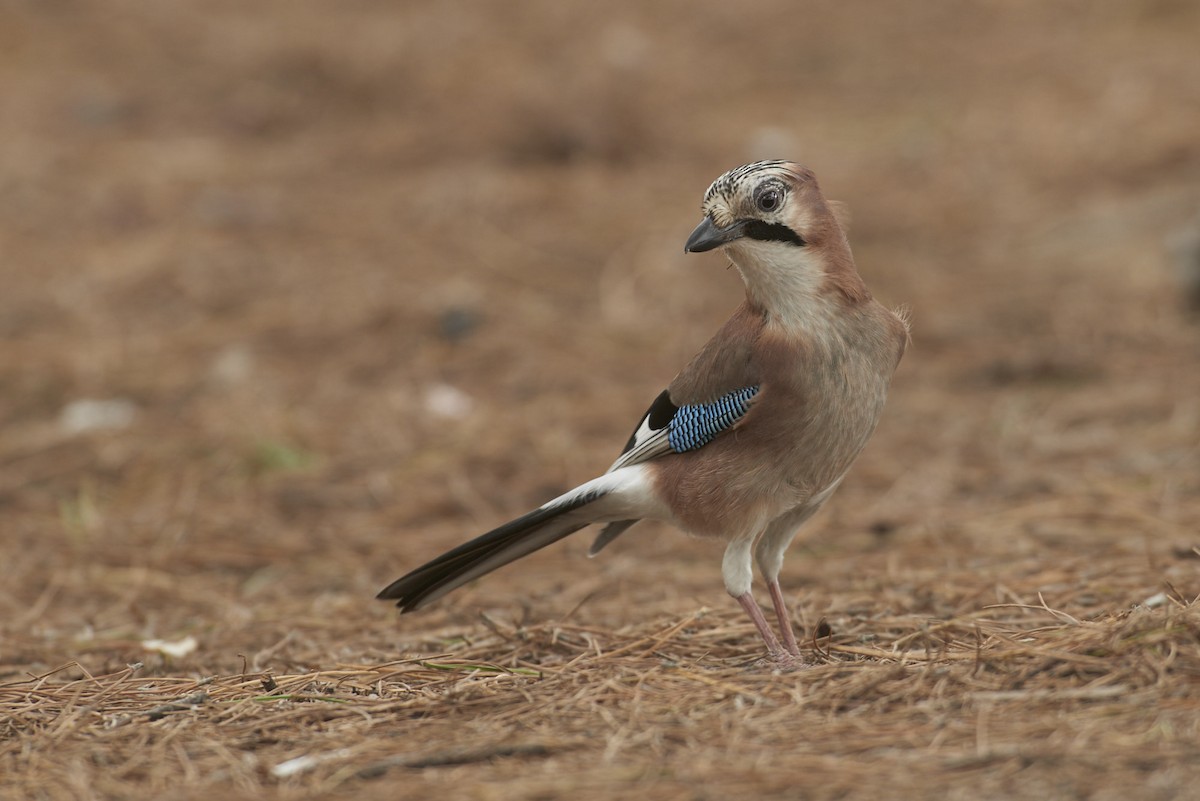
(456, 324)
(92, 414)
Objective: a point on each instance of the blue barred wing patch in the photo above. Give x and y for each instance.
(694, 426)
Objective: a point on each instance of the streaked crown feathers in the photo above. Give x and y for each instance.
(739, 178)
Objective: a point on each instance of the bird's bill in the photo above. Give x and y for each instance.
(708, 235)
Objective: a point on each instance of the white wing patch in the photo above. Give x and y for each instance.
(648, 444)
(651, 439)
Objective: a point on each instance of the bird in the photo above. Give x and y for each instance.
(754, 435)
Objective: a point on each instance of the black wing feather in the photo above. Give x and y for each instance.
(658, 416)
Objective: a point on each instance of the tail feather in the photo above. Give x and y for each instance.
(608, 534)
(485, 553)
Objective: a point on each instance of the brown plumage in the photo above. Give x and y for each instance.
(761, 426)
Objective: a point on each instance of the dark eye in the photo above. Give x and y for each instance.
(768, 199)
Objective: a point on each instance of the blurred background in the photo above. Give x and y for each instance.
(295, 295)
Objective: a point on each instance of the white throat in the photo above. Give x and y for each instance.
(785, 281)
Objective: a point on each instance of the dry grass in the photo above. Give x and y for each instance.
(279, 236)
(1010, 692)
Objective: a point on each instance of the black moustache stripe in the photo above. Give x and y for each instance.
(772, 232)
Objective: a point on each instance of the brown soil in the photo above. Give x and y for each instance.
(295, 295)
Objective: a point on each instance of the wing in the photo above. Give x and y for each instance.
(712, 402)
(648, 439)
(667, 428)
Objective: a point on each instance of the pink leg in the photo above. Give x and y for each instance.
(747, 602)
(785, 623)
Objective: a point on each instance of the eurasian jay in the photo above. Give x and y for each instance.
(756, 433)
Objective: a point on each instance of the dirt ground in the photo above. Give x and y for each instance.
(295, 295)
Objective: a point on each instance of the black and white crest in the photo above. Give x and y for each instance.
(728, 183)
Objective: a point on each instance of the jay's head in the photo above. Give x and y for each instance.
(770, 218)
(765, 207)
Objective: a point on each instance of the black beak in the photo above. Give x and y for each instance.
(708, 236)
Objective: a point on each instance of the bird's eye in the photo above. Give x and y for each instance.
(768, 199)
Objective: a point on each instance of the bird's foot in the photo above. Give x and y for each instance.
(782, 661)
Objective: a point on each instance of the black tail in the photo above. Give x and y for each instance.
(485, 553)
